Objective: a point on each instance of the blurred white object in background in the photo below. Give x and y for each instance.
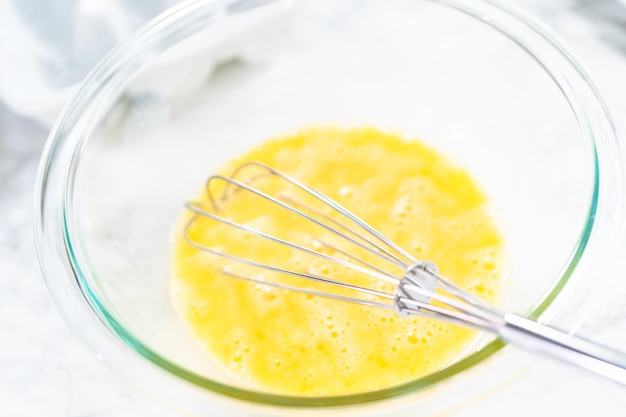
(48, 46)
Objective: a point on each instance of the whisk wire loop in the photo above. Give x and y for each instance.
(331, 203)
(200, 211)
(419, 288)
(416, 285)
(300, 213)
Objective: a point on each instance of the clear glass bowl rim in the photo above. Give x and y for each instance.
(59, 161)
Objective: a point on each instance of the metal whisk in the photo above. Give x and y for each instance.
(419, 288)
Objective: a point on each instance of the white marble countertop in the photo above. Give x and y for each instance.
(46, 372)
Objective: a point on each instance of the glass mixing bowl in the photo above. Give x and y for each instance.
(477, 80)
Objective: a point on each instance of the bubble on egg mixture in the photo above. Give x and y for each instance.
(299, 344)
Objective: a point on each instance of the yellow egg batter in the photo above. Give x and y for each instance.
(291, 343)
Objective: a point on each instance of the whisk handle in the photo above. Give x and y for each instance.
(599, 359)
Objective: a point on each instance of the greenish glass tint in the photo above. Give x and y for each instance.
(543, 305)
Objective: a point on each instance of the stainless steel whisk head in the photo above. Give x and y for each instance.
(417, 286)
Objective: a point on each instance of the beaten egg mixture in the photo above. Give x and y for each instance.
(298, 344)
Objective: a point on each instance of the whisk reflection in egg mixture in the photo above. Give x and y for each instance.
(366, 267)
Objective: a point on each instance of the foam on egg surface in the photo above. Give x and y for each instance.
(297, 344)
